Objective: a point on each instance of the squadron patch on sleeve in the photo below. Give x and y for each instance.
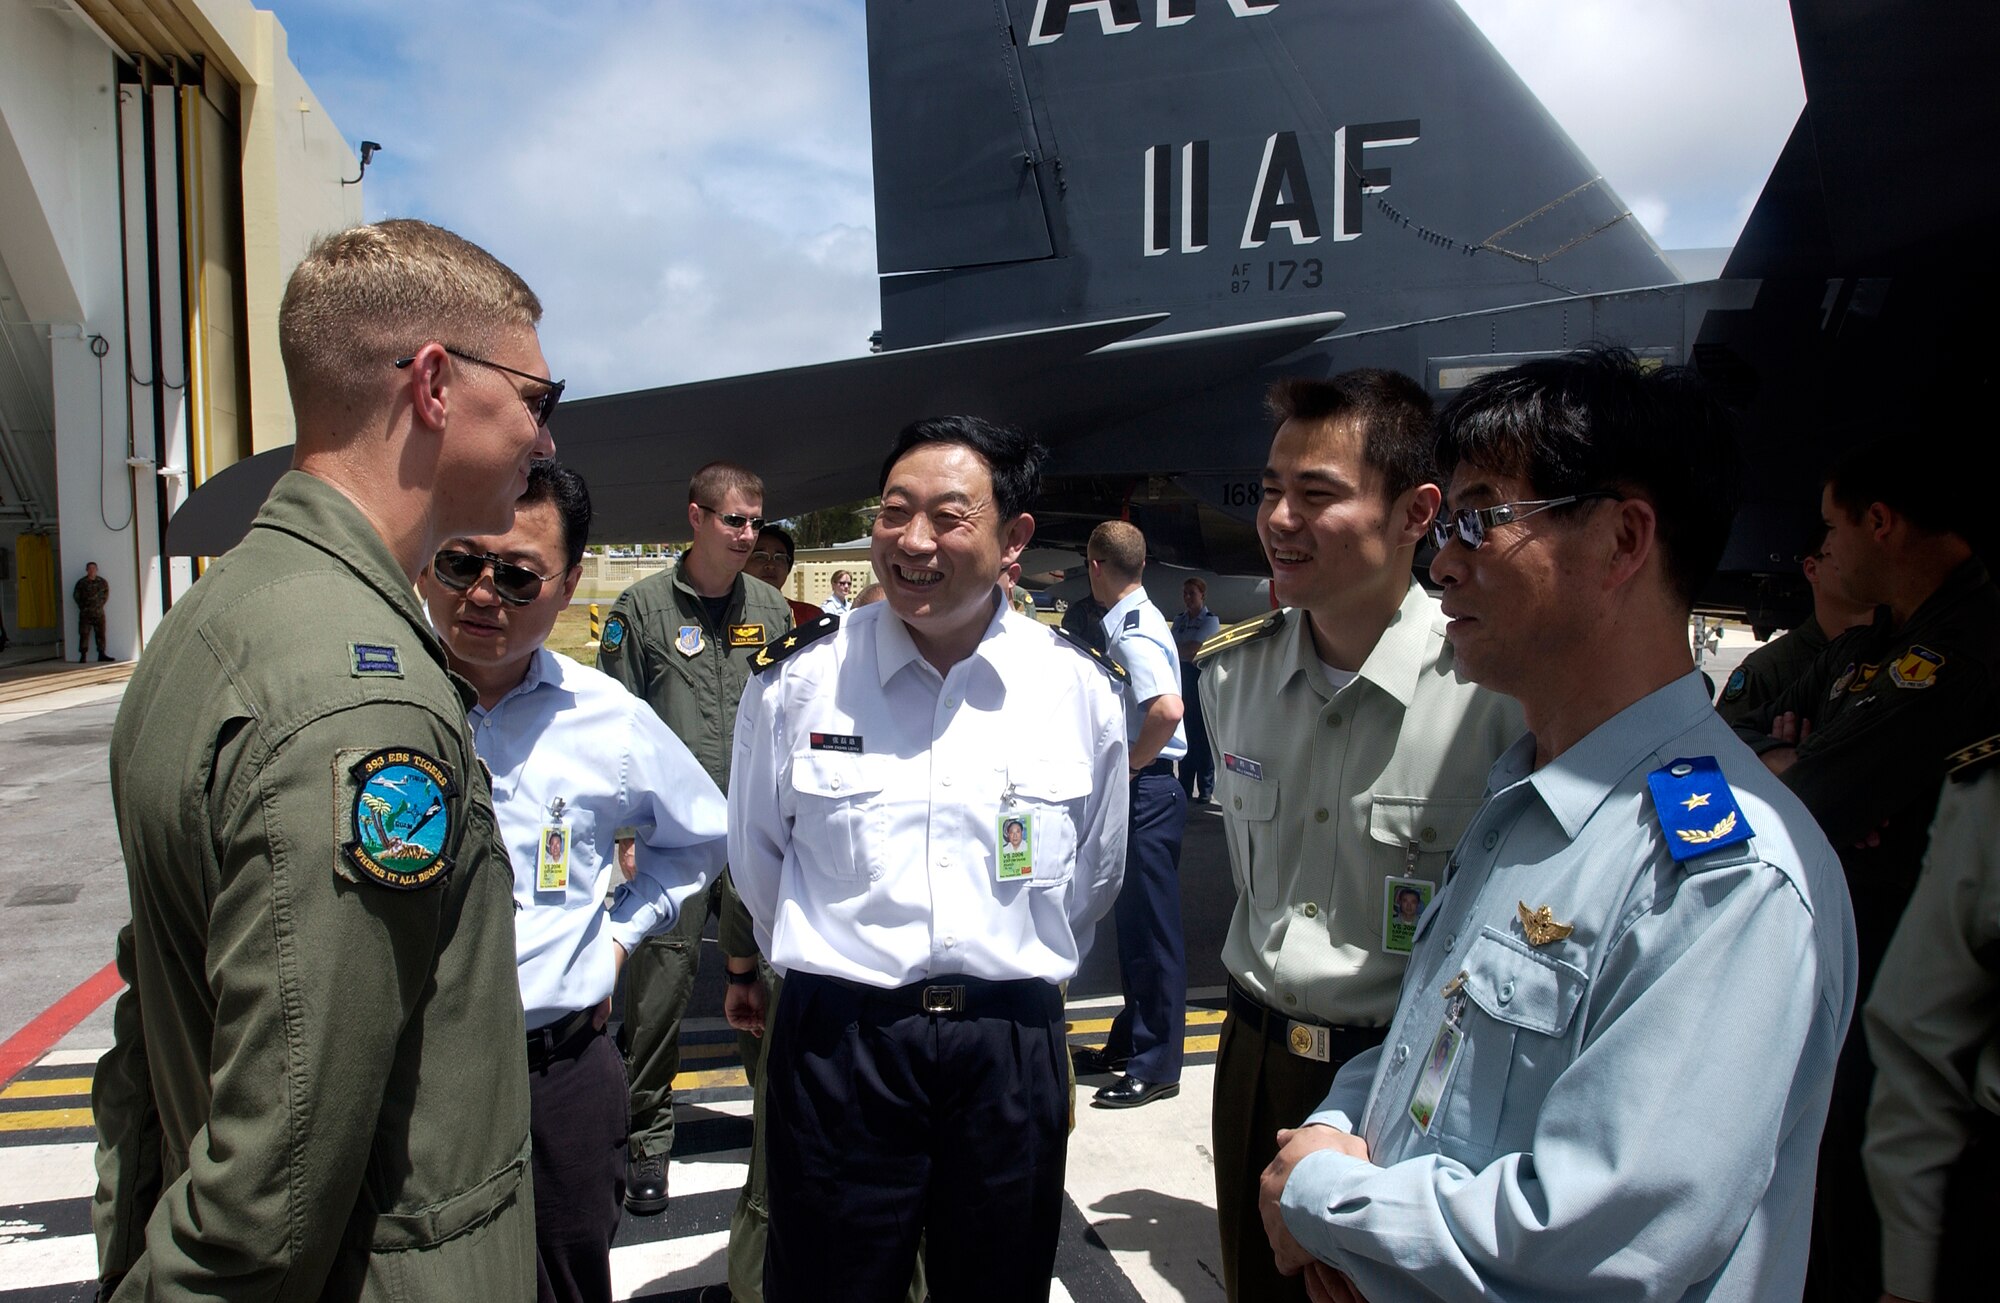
(1697, 811)
(804, 636)
(1734, 688)
(399, 807)
(1105, 663)
(1918, 668)
(614, 634)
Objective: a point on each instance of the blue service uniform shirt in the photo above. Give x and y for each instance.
(1137, 637)
(1199, 627)
(571, 732)
(1636, 1109)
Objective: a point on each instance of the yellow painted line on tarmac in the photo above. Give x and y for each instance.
(1195, 1018)
(46, 1119)
(712, 1077)
(50, 1088)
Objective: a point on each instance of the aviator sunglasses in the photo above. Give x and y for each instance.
(512, 584)
(1472, 523)
(543, 405)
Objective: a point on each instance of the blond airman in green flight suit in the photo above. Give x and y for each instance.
(319, 1083)
(682, 639)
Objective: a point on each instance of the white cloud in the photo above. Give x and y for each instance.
(688, 184)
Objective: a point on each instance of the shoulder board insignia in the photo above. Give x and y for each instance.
(1132, 618)
(1697, 811)
(1105, 663)
(1238, 634)
(1967, 763)
(785, 644)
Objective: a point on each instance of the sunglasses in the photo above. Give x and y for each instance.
(1471, 524)
(760, 556)
(731, 519)
(512, 584)
(543, 405)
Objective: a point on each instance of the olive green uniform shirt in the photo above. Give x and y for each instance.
(1767, 671)
(659, 643)
(319, 1084)
(1934, 1029)
(1327, 795)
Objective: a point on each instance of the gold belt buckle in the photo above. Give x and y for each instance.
(1307, 1041)
(944, 999)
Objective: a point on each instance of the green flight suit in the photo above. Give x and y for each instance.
(1886, 705)
(1768, 671)
(660, 643)
(319, 1085)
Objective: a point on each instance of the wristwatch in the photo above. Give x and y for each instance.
(740, 979)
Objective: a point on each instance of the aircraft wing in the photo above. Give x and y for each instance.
(817, 434)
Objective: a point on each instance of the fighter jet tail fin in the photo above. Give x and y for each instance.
(1045, 162)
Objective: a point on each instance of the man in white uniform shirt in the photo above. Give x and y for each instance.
(574, 757)
(917, 1082)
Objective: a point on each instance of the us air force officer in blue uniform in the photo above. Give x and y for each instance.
(1612, 1057)
(917, 1081)
(1148, 1033)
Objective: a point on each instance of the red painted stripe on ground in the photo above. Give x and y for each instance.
(55, 1022)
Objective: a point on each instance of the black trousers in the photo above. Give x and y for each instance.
(884, 1123)
(577, 1127)
(1261, 1086)
(1197, 768)
(1151, 1030)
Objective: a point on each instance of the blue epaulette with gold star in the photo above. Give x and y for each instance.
(1238, 634)
(1696, 809)
(1104, 662)
(806, 634)
(1967, 763)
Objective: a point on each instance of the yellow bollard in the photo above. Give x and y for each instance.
(596, 625)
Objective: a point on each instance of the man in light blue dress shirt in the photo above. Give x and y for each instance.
(1614, 1048)
(574, 757)
(1147, 1036)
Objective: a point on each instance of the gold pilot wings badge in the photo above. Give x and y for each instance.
(1540, 926)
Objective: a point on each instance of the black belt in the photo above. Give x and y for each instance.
(546, 1043)
(1157, 767)
(953, 994)
(1342, 1042)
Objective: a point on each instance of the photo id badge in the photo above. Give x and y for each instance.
(1403, 903)
(552, 859)
(1014, 846)
(1436, 1075)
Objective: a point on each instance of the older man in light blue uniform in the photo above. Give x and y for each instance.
(1612, 1058)
(574, 758)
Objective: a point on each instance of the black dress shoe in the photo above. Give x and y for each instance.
(1090, 1062)
(1130, 1092)
(646, 1186)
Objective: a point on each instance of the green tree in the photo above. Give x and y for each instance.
(831, 525)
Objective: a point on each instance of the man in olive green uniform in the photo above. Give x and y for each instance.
(91, 593)
(1349, 758)
(1768, 671)
(1861, 738)
(1933, 1150)
(682, 639)
(319, 1082)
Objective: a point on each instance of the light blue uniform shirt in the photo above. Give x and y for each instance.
(571, 733)
(1199, 627)
(1635, 1110)
(1137, 637)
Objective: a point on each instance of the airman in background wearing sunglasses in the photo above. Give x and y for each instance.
(1614, 1046)
(574, 757)
(771, 561)
(319, 1082)
(682, 639)
(1349, 756)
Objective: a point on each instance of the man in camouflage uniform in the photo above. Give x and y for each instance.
(319, 1087)
(91, 593)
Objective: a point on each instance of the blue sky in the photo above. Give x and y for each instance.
(686, 183)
